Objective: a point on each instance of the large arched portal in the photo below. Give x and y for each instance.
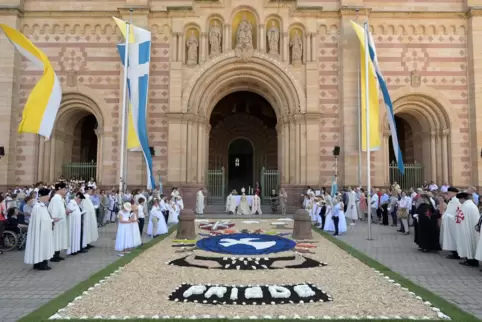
(243, 139)
(75, 147)
(423, 135)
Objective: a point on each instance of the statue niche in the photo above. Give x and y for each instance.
(215, 39)
(296, 45)
(192, 45)
(272, 36)
(244, 38)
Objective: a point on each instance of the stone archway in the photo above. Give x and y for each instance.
(78, 126)
(425, 134)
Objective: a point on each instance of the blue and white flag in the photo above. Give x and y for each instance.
(138, 88)
(388, 104)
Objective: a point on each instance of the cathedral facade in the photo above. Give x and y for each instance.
(249, 91)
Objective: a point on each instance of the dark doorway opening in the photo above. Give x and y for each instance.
(240, 171)
(88, 142)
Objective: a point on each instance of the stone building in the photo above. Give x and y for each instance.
(241, 86)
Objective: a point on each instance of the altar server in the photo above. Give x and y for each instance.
(90, 218)
(200, 202)
(231, 203)
(243, 208)
(76, 233)
(449, 233)
(256, 207)
(173, 212)
(40, 242)
(61, 228)
(157, 224)
(466, 219)
(351, 211)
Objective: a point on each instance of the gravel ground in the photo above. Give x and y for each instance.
(142, 287)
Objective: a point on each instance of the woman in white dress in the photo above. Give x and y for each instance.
(173, 212)
(329, 223)
(136, 234)
(156, 216)
(123, 240)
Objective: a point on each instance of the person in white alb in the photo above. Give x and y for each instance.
(448, 233)
(61, 228)
(200, 202)
(466, 219)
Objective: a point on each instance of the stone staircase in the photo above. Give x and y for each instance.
(220, 210)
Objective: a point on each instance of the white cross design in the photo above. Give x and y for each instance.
(226, 242)
(134, 72)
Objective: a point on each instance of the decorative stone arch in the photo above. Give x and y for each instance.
(245, 8)
(212, 17)
(429, 114)
(53, 153)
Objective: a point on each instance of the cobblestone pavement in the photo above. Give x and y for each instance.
(23, 290)
(447, 278)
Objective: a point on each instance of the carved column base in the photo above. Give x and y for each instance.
(187, 227)
(302, 225)
(296, 63)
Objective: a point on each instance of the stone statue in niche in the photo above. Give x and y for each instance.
(296, 45)
(273, 39)
(192, 44)
(415, 79)
(215, 37)
(244, 39)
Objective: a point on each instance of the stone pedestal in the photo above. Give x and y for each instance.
(302, 225)
(186, 228)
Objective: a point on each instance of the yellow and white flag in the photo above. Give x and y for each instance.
(133, 143)
(44, 101)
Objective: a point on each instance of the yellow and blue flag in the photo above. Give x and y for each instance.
(374, 116)
(43, 102)
(139, 57)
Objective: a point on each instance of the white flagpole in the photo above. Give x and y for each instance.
(367, 119)
(123, 150)
(359, 125)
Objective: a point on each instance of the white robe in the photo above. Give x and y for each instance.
(231, 204)
(40, 241)
(161, 223)
(75, 228)
(61, 227)
(173, 214)
(478, 253)
(90, 220)
(467, 238)
(351, 212)
(256, 207)
(448, 232)
(243, 208)
(199, 202)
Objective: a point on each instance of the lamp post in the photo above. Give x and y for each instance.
(160, 180)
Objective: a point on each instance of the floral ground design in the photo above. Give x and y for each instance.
(357, 290)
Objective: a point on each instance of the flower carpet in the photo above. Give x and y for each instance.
(247, 273)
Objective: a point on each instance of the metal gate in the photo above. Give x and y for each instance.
(413, 177)
(216, 187)
(84, 170)
(269, 181)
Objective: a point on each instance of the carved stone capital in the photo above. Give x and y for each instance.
(445, 132)
(433, 134)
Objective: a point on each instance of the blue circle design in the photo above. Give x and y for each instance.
(246, 244)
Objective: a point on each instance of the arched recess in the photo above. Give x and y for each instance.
(225, 74)
(430, 125)
(75, 110)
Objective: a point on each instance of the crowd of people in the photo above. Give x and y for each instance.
(63, 219)
(443, 218)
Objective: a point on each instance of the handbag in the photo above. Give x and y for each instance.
(402, 213)
(479, 224)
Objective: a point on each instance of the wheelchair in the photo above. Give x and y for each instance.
(14, 237)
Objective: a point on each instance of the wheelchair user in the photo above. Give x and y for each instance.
(14, 223)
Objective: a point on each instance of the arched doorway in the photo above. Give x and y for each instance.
(423, 129)
(240, 164)
(243, 140)
(75, 147)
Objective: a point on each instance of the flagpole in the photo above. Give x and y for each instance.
(359, 118)
(367, 120)
(123, 150)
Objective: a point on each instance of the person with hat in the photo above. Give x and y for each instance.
(90, 218)
(428, 230)
(448, 231)
(61, 228)
(467, 216)
(76, 233)
(40, 242)
(124, 241)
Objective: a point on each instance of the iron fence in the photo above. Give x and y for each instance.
(269, 181)
(86, 170)
(216, 186)
(412, 178)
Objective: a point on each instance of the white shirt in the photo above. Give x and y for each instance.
(444, 188)
(374, 201)
(140, 211)
(405, 203)
(433, 187)
(412, 196)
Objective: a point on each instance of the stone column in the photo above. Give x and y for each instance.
(286, 47)
(52, 156)
(308, 47)
(173, 47)
(100, 157)
(41, 156)
(180, 47)
(433, 156)
(279, 137)
(445, 158)
(261, 39)
(226, 39)
(386, 158)
(203, 48)
(292, 149)
(439, 156)
(304, 58)
(286, 148)
(312, 165)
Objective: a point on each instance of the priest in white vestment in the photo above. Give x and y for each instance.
(243, 208)
(478, 253)
(448, 228)
(90, 219)
(173, 212)
(467, 237)
(256, 206)
(200, 202)
(61, 228)
(231, 203)
(351, 212)
(76, 233)
(283, 201)
(157, 223)
(40, 242)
